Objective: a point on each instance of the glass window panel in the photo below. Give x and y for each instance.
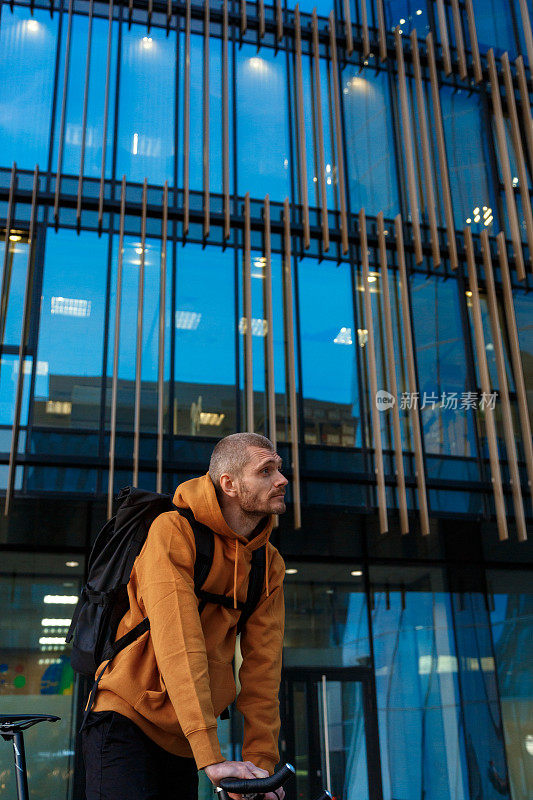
(35, 673)
(205, 342)
(215, 114)
(370, 144)
(512, 630)
(145, 140)
(471, 187)
(9, 371)
(523, 304)
(15, 278)
(326, 616)
(495, 25)
(128, 334)
(263, 145)
(417, 686)
(27, 66)
(409, 14)
(96, 99)
(328, 339)
(72, 311)
(259, 332)
(442, 368)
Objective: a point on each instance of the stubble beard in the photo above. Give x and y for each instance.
(252, 506)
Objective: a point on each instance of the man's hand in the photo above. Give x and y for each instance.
(240, 769)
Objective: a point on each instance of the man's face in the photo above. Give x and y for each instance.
(261, 486)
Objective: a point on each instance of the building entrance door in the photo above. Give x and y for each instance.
(329, 733)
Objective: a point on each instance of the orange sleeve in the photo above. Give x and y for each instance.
(165, 570)
(260, 672)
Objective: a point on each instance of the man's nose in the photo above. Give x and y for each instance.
(281, 480)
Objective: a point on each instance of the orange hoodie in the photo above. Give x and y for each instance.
(177, 678)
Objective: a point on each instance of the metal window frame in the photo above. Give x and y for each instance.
(507, 419)
(339, 149)
(371, 360)
(411, 373)
(106, 115)
(409, 148)
(516, 361)
(187, 119)
(225, 124)
(391, 375)
(300, 124)
(205, 138)
(320, 143)
(4, 291)
(85, 109)
(25, 332)
(161, 340)
(288, 318)
(490, 425)
(247, 315)
(63, 113)
(138, 352)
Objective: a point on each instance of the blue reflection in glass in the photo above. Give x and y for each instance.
(96, 99)
(409, 14)
(494, 25)
(468, 157)
(328, 340)
(369, 142)
(442, 369)
(145, 145)
(263, 139)
(72, 311)
(27, 64)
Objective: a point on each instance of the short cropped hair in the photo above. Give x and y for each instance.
(230, 455)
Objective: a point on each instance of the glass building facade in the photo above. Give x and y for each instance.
(312, 221)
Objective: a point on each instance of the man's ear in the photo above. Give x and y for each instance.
(227, 486)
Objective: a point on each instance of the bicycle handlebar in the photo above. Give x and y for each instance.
(256, 785)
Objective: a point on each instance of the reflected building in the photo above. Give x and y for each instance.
(314, 223)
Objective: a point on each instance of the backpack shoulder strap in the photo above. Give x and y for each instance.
(205, 547)
(255, 586)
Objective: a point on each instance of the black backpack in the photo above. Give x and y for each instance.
(104, 598)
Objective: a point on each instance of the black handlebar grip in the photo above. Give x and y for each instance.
(324, 796)
(258, 785)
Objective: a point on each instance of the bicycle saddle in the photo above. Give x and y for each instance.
(13, 723)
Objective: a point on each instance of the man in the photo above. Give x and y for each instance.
(153, 723)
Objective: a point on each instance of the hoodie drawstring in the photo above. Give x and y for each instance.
(235, 574)
(266, 567)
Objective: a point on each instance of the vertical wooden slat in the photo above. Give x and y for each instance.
(411, 373)
(424, 138)
(320, 137)
(474, 47)
(371, 361)
(382, 31)
(348, 27)
(302, 152)
(290, 360)
(247, 314)
(161, 343)
(484, 379)
(444, 40)
(391, 374)
(364, 29)
(528, 32)
(116, 347)
(244, 18)
(106, 115)
(505, 166)
(441, 147)
(6, 272)
(510, 444)
(149, 14)
(22, 347)
(514, 347)
(459, 40)
(408, 146)
(261, 19)
(205, 101)
(269, 316)
(84, 117)
(138, 354)
(225, 122)
(186, 118)
(519, 154)
(63, 113)
(527, 121)
(338, 132)
(169, 13)
(279, 22)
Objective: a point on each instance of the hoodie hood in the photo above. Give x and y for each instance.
(199, 495)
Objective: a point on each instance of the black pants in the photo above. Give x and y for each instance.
(122, 763)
